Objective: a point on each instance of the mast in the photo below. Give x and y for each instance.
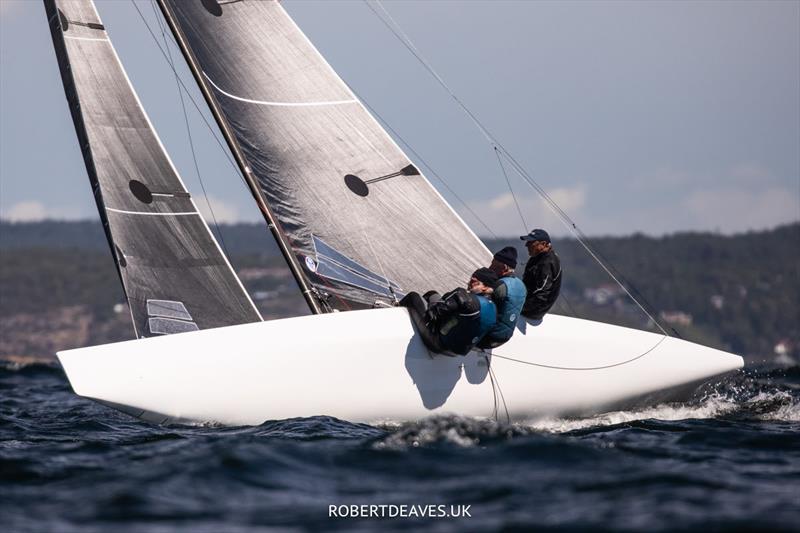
(288, 254)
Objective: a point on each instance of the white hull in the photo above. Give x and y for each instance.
(369, 366)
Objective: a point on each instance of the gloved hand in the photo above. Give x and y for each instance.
(434, 312)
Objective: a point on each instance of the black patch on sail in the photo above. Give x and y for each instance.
(64, 21)
(120, 257)
(410, 170)
(356, 185)
(141, 191)
(213, 7)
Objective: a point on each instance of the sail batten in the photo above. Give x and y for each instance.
(163, 248)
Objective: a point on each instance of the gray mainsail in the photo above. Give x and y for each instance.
(358, 219)
(173, 272)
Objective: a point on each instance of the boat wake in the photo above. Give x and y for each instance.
(758, 395)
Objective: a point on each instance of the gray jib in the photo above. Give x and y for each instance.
(163, 247)
(324, 165)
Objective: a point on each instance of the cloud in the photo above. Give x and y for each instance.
(736, 209)
(742, 174)
(500, 213)
(30, 211)
(741, 197)
(34, 211)
(224, 212)
(569, 199)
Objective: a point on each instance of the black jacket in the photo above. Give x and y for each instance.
(461, 320)
(543, 280)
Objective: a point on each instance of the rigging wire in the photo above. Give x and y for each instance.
(419, 158)
(499, 149)
(397, 30)
(363, 101)
(189, 130)
(583, 239)
(514, 196)
(406, 41)
(188, 94)
(214, 134)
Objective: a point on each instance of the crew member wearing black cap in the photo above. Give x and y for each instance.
(508, 295)
(542, 275)
(455, 322)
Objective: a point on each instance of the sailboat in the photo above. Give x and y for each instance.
(358, 224)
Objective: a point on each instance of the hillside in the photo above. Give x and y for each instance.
(59, 288)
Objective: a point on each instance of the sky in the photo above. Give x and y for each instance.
(643, 117)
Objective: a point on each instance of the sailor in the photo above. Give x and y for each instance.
(455, 322)
(508, 295)
(542, 274)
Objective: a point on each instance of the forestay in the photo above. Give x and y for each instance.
(360, 220)
(174, 275)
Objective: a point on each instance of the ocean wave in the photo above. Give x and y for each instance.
(761, 394)
(758, 394)
(459, 431)
(29, 366)
(714, 407)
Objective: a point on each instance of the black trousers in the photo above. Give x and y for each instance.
(416, 309)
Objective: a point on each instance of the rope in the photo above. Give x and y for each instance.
(656, 345)
(189, 130)
(514, 196)
(397, 31)
(494, 379)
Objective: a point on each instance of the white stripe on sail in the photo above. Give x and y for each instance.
(73, 37)
(151, 214)
(282, 104)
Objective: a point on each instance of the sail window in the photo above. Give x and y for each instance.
(168, 309)
(334, 265)
(141, 191)
(334, 272)
(168, 326)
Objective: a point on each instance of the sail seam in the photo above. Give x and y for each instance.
(279, 104)
(75, 38)
(152, 214)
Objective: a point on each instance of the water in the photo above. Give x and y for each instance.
(729, 459)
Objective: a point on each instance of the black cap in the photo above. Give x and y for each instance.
(536, 235)
(507, 256)
(485, 276)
